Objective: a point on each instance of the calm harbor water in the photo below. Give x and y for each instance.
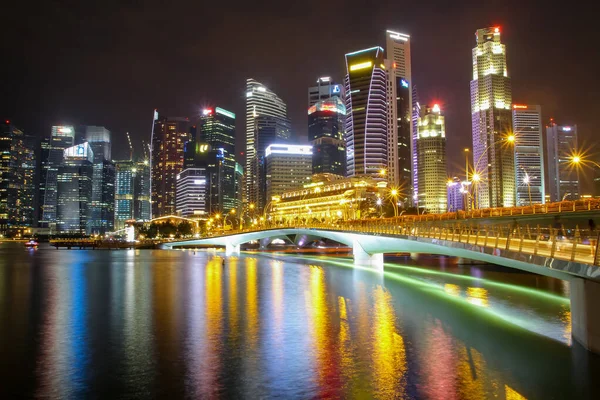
(158, 323)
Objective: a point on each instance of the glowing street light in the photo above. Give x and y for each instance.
(527, 181)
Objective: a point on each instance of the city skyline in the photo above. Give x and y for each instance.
(535, 81)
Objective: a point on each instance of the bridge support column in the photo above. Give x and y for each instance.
(231, 249)
(361, 257)
(585, 298)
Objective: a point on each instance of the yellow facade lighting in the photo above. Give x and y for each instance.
(359, 66)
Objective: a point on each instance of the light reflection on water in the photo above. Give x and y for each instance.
(177, 323)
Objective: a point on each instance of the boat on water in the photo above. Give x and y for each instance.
(31, 243)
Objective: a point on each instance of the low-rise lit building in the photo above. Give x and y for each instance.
(458, 195)
(330, 198)
(287, 166)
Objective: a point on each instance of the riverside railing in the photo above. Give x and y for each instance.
(579, 245)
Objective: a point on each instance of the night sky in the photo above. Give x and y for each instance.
(111, 63)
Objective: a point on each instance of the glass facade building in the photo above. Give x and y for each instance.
(366, 112)
(132, 192)
(74, 191)
(563, 177)
(401, 147)
(52, 152)
(217, 129)
(326, 135)
(102, 207)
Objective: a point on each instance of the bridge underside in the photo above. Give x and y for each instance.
(368, 249)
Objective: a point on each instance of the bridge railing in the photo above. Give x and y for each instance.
(579, 245)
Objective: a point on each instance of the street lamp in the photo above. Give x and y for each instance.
(476, 179)
(394, 197)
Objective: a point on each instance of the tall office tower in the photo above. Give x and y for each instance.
(288, 167)
(74, 190)
(132, 192)
(562, 175)
(142, 209)
(400, 110)
(51, 158)
(431, 151)
(124, 192)
(217, 128)
(366, 113)
(260, 102)
(324, 89)
(491, 121)
(168, 139)
(457, 194)
(17, 174)
(269, 130)
(326, 135)
(416, 113)
(529, 154)
(102, 208)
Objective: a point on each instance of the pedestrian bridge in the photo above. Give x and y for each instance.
(570, 256)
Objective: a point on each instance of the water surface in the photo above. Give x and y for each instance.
(131, 324)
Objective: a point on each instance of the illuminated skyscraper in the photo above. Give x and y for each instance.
(366, 112)
(431, 152)
(491, 119)
(324, 89)
(217, 128)
(401, 147)
(326, 135)
(416, 113)
(562, 175)
(529, 154)
(51, 157)
(102, 208)
(17, 174)
(260, 102)
(74, 190)
(132, 192)
(168, 140)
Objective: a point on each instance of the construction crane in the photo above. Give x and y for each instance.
(130, 147)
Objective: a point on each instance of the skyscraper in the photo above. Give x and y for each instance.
(217, 128)
(51, 157)
(366, 112)
(102, 207)
(326, 135)
(287, 167)
(132, 192)
(17, 174)
(562, 175)
(400, 156)
(260, 102)
(168, 139)
(324, 89)
(74, 190)
(431, 152)
(491, 120)
(416, 113)
(529, 154)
